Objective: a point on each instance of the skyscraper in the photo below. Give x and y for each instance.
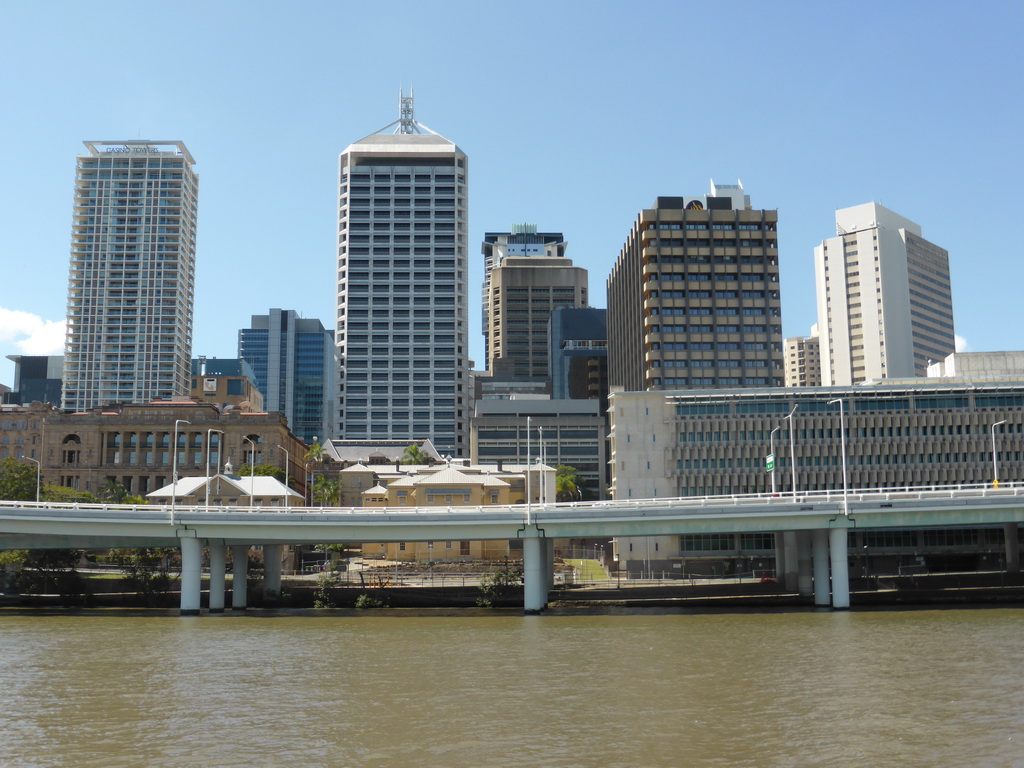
(523, 240)
(293, 361)
(401, 319)
(132, 275)
(529, 280)
(693, 300)
(885, 307)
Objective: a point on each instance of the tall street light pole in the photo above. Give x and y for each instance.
(209, 447)
(995, 461)
(252, 472)
(528, 503)
(174, 466)
(771, 452)
(792, 451)
(39, 474)
(287, 458)
(842, 438)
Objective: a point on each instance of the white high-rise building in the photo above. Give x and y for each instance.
(132, 276)
(885, 307)
(402, 315)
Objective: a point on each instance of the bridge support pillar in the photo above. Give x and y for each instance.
(239, 575)
(837, 540)
(780, 556)
(191, 575)
(549, 564)
(791, 563)
(803, 558)
(218, 568)
(1012, 547)
(535, 589)
(819, 544)
(272, 570)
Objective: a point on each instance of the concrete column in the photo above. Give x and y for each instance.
(790, 559)
(837, 541)
(803, 557)
(819, 545)
(239, 575)
(218, 566)
(191, 575)
(272, 570)
(549, 564)
(1012, 548)
(535, 594)
(780, 556)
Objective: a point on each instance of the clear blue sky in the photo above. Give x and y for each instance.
(575, 116)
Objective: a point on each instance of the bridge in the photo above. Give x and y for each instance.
(820, 522)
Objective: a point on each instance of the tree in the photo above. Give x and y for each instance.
(326, 491)
(262, 470)
(148, 570)
(113, 492)
(315, 453)
(413, 454)
(17, 480)
(497, 585)
(64, 495)
(567, 483)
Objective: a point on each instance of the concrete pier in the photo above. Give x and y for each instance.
(218, 571)
(191, 575)
(272, 570)
(819, 546)
(535, 592)
(239, 576)
(837, 541)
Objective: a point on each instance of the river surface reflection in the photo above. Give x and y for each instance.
(880, 688)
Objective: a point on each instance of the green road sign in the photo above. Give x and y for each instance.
(769, 462)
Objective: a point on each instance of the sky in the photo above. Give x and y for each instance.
(575, 117)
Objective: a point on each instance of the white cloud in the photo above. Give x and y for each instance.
(961, 344)
(31, 334)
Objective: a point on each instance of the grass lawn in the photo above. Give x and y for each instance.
(588, 570)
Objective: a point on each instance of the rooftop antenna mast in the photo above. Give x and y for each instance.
(406, 121)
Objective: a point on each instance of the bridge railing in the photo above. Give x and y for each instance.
(713, 504)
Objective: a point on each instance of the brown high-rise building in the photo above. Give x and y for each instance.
(693, 301)
(803, 361)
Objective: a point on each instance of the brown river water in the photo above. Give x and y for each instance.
(788, 688)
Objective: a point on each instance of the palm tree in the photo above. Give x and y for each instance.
(113, 491)
(413, 454)
(567, 483)
(326, 491)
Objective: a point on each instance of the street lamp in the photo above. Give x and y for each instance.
(209, 446)
(842, 438)
(39, 474)
(771, 452)
(792, 451)
(995, 462)
(174, 466)
(252, 472)
(287, 458)
(528, 502)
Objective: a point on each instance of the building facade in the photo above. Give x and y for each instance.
(504, 316)
(293, 361)
(554, 432)
(37, 378)
(132, 276)
(885, 305)
(693, 300)
(402, 275)
(132, 444)
(225, 383)
(579, 355)
(803, 361)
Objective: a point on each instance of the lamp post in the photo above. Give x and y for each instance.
(792, 451)
(39, 474)
(174, 466)
(528, 503)
(287, 459)
(252, 472)
(209, 446)
(842, 438)
(771, 452)
(995, 461)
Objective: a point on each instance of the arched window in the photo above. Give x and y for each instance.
(71, 450)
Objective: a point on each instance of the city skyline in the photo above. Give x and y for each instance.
(927, 127)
